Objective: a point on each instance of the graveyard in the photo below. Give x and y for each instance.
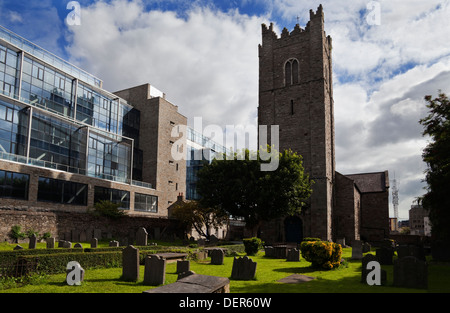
(271, 273)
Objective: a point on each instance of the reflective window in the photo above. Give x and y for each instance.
(46, 88)
(14, 185)
(114, 195)
(59, 143)
(145, 203)
(8, 71)
(13, 129)
(60, 191)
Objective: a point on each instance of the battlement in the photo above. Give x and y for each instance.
(268, 33)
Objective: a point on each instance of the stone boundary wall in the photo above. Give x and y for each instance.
(75, 227)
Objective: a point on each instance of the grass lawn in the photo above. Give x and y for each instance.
(269, 271)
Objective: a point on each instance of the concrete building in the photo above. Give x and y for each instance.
(419, 223)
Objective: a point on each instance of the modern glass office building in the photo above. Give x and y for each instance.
(200, 149)
(56, 116)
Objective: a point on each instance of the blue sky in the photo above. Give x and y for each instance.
(204, 55)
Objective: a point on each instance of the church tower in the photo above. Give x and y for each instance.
(296, 93)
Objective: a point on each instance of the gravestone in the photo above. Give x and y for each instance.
(243, 268)
(411, 272)
(141, 237)
(67, 245)
(366, 247)
(385, 255)
(280, 252)
(269, 251)
(217, 256)
(18, 247)
(201, 255)
(195, 283)
(293, 255)
(410, 250)
(94, 243)
(364, 272)
(130, 263)
(32, 242)
(357, 250)
(51, 243)
(213, 240)
(113, 243)
(61, 243)
(78, 245)
(155, 270)
(183, 266)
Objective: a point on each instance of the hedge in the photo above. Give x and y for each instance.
(252, 245)
(322, 254)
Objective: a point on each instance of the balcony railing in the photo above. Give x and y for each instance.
(70, 169)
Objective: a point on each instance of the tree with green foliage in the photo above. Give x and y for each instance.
(108, 209)
(193, 215)
(239, 187)
(437, 157)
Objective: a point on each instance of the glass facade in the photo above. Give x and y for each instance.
(120, 197)
(145, 203)
(61, 191)
(75, 126)
(200, 149)
(57, 116)
(14, 185)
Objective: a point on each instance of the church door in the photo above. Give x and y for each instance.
(293, 227)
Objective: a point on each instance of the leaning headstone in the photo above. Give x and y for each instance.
(183, 266)
(94, 243)
(113, 243)
(18, 247)
(155, 270)
(385, 255)
(364, 272)
(141, 237)
(293, 255)
(357, 250)
(33, 241)
(243, 269)
(217, 256)
(51, 243)
(130, 263)
(410, 272)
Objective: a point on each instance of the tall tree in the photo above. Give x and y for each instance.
(192, 215)
(240, 188)
(437, 156)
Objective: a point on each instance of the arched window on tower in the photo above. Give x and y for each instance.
(291, 72)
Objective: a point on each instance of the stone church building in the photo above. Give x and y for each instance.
(296, 93)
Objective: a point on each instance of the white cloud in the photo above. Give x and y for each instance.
(206, 64)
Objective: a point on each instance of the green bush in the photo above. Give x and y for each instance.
(311, 239)
(252, 245)
(322, 254)
(16, 233)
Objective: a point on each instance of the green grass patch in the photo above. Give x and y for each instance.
(345, 279)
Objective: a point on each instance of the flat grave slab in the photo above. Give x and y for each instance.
(296, 279)
(195, 284)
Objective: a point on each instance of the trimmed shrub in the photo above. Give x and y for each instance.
(322, 254)
(252, 245)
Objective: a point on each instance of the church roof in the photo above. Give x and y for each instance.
(371, 182)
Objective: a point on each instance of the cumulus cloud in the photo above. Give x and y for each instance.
(206, 63)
